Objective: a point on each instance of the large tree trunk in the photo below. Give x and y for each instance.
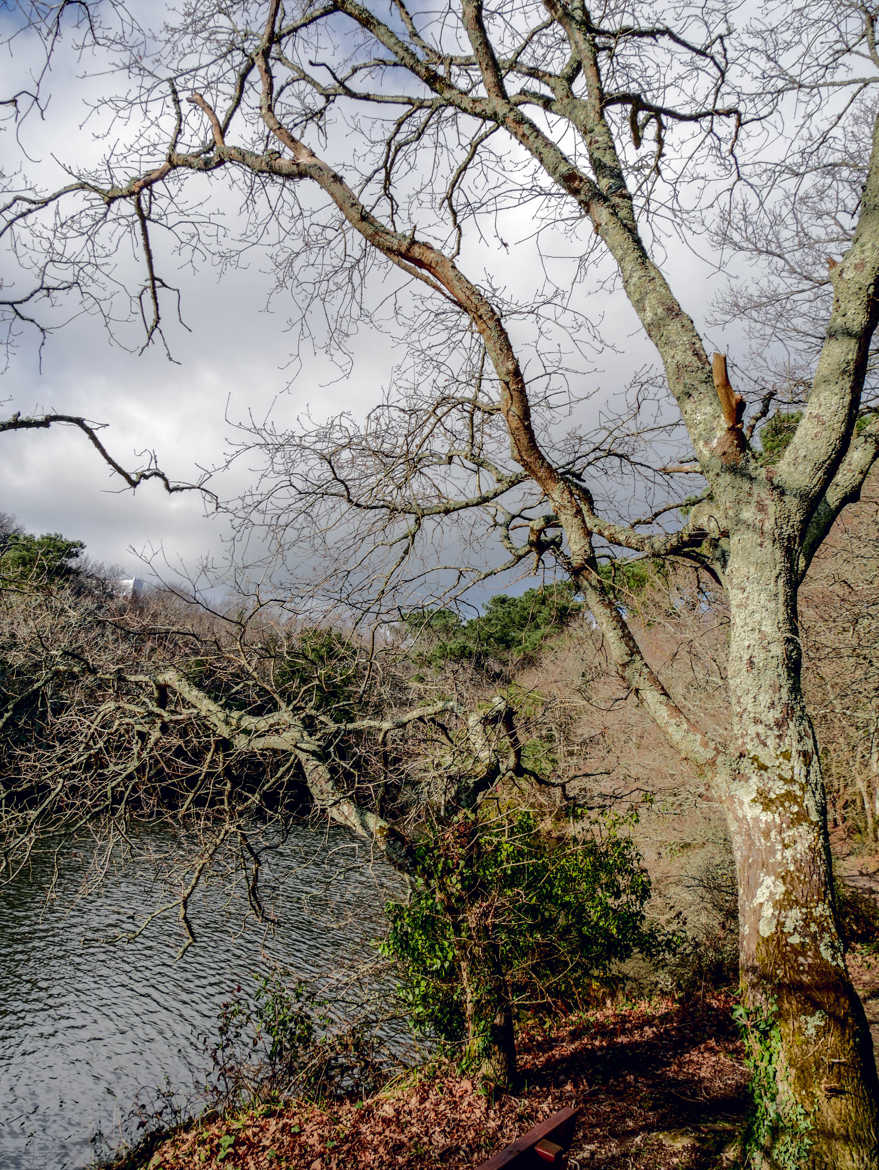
(815, 1083)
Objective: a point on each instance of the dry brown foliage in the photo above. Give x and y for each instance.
(640, 1076)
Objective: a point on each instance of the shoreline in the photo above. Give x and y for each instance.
(658, 1083)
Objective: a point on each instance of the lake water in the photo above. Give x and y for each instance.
(89, 1024)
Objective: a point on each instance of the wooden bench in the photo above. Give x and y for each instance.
(544, 1145)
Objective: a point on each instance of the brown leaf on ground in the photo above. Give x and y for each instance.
(658, 1087)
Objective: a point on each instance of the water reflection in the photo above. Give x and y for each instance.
(88, 1024)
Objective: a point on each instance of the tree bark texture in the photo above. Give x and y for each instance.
(815, 1082)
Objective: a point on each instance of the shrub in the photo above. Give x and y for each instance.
(283, 1043)
(318, 669)
(510, 628)
(561, 911)
(325, 669)
(705, 955)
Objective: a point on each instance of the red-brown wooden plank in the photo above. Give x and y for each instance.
(520, 1154)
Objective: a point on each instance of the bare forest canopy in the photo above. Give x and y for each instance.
(696, 135)
(159, 708)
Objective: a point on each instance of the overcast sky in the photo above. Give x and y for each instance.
(232, 363)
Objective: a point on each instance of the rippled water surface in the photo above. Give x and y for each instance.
(88, 1024)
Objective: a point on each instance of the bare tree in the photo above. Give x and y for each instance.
(356, 133)
(840, 613)
(109, 715)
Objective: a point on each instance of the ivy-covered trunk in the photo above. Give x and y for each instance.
(814, 1077)
(490, 1050)
(490, 1046)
